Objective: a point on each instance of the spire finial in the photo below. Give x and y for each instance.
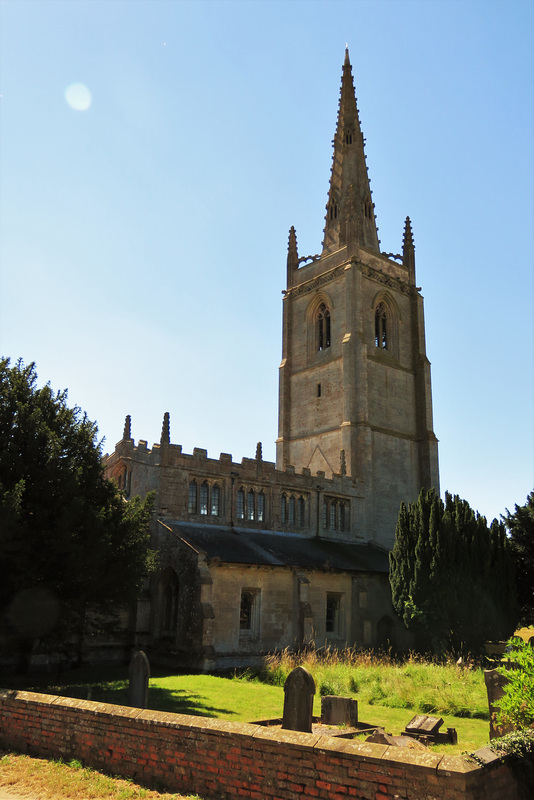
(408, 250)
(342, 463)
(292, 256)
(166, 429)
(346, 224)
(127, 433)
(259, 455)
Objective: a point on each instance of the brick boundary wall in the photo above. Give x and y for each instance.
(223, 760)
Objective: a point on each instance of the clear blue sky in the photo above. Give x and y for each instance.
(143, 239)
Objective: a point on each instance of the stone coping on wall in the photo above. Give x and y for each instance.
(457, 765)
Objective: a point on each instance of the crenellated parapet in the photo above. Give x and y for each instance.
(248, 493)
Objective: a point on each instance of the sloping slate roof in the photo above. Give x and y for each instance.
(269, 548)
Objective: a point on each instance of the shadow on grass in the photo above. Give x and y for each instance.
(111, 686)
(182, 702)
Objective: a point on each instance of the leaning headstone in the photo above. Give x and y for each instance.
(495, 683)
(139, 673)
(299, 690)
(339, 710)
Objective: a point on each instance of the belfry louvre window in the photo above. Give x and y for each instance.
(323, 327)
(381, 331)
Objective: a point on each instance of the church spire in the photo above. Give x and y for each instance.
(350, 218)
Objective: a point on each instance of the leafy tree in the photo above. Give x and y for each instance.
(521, 527)
(451, 576)
(71, 549)
(517, 704)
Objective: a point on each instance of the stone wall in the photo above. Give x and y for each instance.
(223, 760)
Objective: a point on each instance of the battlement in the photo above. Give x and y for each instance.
(169, 454)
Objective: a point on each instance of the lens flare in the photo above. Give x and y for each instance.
(78, 96)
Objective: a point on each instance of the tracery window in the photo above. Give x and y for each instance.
(381, 330)
(335, 514)
(323, 327)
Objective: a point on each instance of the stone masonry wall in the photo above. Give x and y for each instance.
(224, 760)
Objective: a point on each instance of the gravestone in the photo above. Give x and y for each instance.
(339, 710)
(139, 673)
(495, 683)
(299, 690)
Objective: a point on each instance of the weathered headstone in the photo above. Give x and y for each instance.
(299, 690)
(495, 683)
(139, 673)
(339, 710)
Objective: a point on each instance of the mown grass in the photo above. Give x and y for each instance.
(56, 780)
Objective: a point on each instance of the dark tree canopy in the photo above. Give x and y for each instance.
(452, 576)
(69, 542)
(521, 527)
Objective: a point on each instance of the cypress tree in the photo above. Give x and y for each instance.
(451, 576)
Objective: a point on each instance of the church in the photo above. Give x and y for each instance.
(256, 556)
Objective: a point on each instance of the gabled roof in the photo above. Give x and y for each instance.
(271, 548)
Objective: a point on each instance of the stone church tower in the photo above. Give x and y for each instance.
(355, 394)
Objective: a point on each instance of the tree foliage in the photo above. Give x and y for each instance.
(521, 528)
(517, 704)
(69, 543)
(451, 576)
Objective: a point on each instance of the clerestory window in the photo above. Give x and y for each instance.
(192, 504)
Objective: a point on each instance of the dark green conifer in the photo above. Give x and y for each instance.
(451, 576)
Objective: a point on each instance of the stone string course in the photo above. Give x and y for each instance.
(222, 760)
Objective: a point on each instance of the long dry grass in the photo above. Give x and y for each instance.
(55, 780)
(415, 683)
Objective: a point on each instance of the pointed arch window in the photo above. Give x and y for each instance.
(291, 511)
(204, 492)
(381, 327)
(240, 510)
(215, 500)
(250, 505)
(348, 137)
(332, 210)
(192, 504)
(323, 327)
(301, 512)
(283, 509)
(261, 507)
